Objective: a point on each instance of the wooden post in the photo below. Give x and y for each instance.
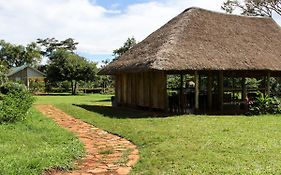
(181, 94)
(27, 83)
(233, 91)
(221, 91)
(166, 97)
(116, 84)
(267, 88)
(196, 78)
(244, 90)
(209, 91)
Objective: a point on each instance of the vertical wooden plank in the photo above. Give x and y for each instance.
(137, 76)
(141, 90)
(181, 94)
(157, 89)
(162, 92)
(153, 93)
(244, 90)
(125, 89)
(267, 88)
(150, 90)
(133, 91)
(129, 90)
(146, 88)
(221, 91)
(116, 88)
(196, 78)
(165, 94)
(121, 89)
(209, 90)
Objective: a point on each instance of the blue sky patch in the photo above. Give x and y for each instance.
(118, 4)
(96, 57)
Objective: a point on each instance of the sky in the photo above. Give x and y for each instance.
(100, 26)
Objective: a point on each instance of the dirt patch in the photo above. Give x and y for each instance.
(105, 153)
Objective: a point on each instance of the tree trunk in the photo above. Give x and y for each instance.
(73, 87)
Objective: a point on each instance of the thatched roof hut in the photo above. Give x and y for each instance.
(199, 39)
(201, 42)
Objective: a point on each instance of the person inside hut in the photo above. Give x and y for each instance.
(189, 99)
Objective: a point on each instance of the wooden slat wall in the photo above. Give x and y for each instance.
(154, 90)
(146, 89)
(134, 90)
(162, 91)
(129, 89)
(117, 92)
(123, 88)
(140, 99)
(120, 90)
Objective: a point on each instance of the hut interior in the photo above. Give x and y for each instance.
(214, 92)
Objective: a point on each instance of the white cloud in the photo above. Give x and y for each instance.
(98, 30)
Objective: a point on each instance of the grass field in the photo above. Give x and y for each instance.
(35, 145)
(186, 144)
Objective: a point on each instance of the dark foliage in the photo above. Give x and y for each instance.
(17, 55)
(265, 105)
(51, 45)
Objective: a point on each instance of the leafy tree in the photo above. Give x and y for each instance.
(254, 7)
(126, 46)
(3, 73)
(67, 66)
(105, 81)
(18, 55)
(51, 44)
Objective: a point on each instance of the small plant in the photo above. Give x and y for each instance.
(265, 105)
(15, 102)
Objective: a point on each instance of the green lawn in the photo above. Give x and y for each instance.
(35, 145)
(186, 144)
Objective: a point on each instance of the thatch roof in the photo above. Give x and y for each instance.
(199, 39)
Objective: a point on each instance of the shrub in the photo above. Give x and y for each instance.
(36, 86)
(15, 102)
(265, 105)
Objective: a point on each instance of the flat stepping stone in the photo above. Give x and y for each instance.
(104, 151)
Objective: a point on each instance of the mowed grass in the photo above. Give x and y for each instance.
(36, 145)
(97, 99)
(188, 144)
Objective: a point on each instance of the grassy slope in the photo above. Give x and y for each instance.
(36, 144)
(190, 144)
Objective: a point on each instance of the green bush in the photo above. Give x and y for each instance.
(36, 86)
(15, 102)
(265, 105)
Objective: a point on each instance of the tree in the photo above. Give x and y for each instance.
(67, 66)
(3, 73)
(105, 81)
(126, 46)
(51, 44)
(18, 55)
(254, 7)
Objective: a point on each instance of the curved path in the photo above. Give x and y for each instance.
(105, 153)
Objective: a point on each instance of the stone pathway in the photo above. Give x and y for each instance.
(105, 153)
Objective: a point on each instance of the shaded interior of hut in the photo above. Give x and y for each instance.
(233, 97)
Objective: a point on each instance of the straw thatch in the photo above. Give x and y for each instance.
(198, 39)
